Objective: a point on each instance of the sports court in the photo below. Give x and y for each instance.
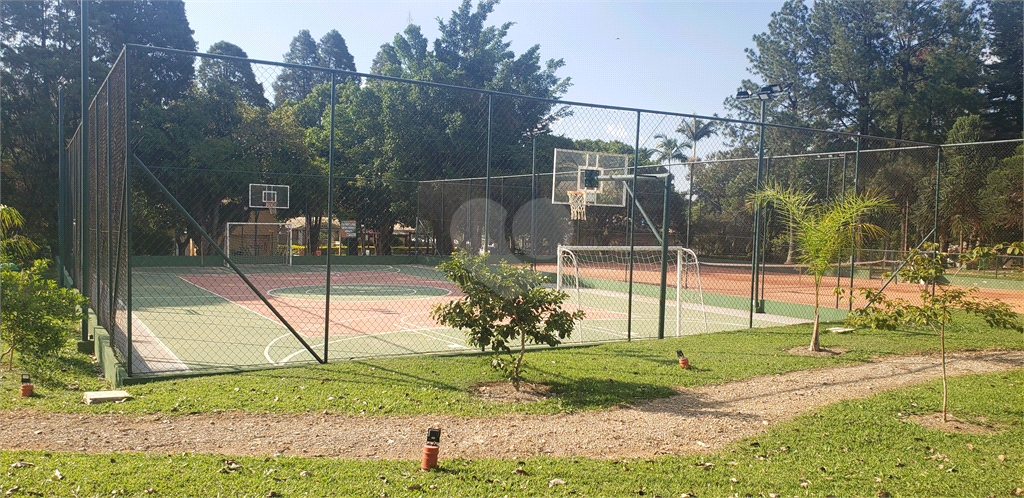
(281, 251)
(189, 319)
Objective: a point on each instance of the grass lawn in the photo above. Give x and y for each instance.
(585, 378)
(854, 448)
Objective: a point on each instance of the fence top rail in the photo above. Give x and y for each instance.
(148, 48)
(839, 154)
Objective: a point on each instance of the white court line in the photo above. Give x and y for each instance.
(437, 336)
(151, 351)
(274, 321)
(266, 350)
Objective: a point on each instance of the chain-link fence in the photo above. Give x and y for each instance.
(272, 214)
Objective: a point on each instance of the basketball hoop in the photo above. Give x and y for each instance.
(577, 204)
(272, 206)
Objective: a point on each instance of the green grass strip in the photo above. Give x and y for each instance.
(585, 378)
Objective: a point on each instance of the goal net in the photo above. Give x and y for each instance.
(598, 276)
(259, 243)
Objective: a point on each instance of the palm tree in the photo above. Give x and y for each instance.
(824, 232)
(14, 247)
(694, 131)
(669, 149)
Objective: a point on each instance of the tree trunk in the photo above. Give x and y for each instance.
(905, 226)
(313, 235)
(519, 361)
(942, 347)
(815, 346)
(10, 364)
(384, 236)
(789, 251)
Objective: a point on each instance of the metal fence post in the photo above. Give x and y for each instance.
(487, 186)
(754, 308)
(664, 258)
(62, 191)
(853, 251)
(632, 221)
(84, 135)
(330, 222)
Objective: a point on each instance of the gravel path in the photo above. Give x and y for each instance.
(700, 420)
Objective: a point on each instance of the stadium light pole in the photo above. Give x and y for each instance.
(764, 95)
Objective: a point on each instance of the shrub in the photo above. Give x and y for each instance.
(504, 304)
(37, 315)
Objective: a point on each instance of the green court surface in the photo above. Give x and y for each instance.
(208, 319)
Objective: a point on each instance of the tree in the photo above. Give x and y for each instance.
(1004, 86)
(429, 133)
(295, 84)
(333, 53)
(936, 309)
(825, 233)
(41, 51)
(897, 69)
(693, 131)
(37, 314)
(15, 248)
(504, 304)
(1001, 201)
(225, 77)
(207, 148)
(967, 168)
(669, 149)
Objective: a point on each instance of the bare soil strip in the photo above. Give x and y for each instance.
(701, 420)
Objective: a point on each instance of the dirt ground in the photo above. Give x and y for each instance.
(701, 420)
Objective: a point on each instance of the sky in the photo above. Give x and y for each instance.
(675, 56)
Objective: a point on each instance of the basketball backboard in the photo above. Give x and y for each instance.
(265, 196)
(579, 169)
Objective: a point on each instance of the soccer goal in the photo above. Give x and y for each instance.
(591, 272)
(259, 243)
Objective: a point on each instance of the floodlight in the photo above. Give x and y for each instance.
(742, 94)
(433, 436)
(25, 379)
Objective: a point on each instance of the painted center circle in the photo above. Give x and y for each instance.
(360, 292)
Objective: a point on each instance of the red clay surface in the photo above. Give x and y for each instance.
(778, 286)
(348, 317)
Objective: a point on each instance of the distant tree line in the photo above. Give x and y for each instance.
(932, 71)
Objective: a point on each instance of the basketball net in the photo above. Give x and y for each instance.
(577, 204)
(272, 206)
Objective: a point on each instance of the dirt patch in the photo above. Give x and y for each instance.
(952, 424)
(505, 392)
(805, 351)
(697, 420)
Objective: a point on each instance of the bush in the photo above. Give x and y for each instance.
(37, 315)
(504, 305)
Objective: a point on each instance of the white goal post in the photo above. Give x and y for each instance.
(259, 243)
(583, 267)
